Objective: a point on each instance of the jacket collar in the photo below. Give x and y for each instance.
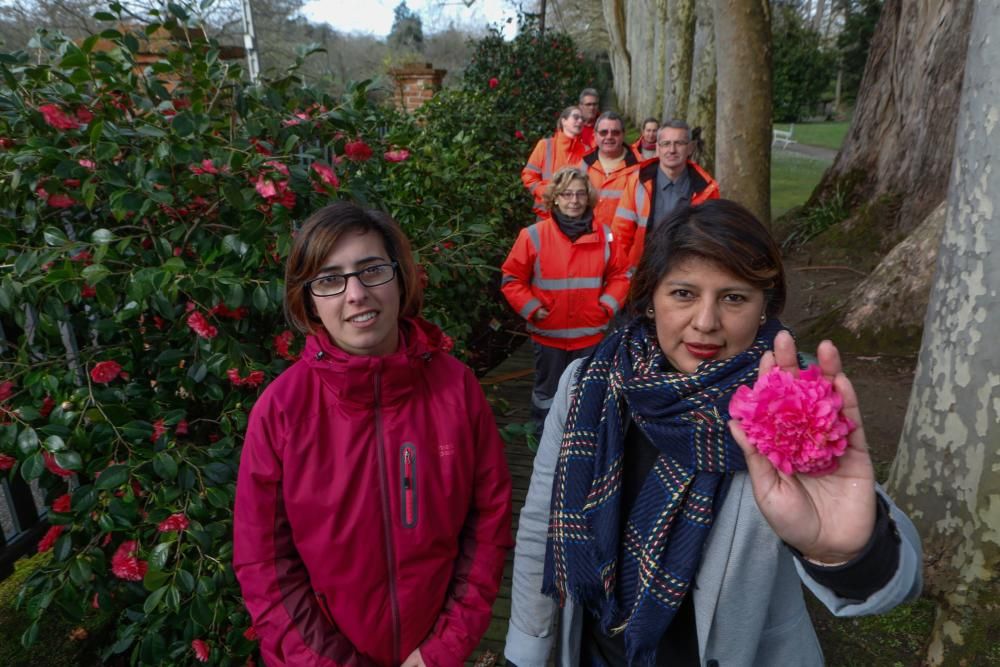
(364, 380)
(594, 155)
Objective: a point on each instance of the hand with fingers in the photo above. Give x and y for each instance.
(828, 518)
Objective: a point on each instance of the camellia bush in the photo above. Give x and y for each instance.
(149, 198)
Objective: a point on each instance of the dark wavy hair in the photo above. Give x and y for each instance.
(720, 231)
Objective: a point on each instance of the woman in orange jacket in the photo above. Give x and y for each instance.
(564, 148)
(564, 278)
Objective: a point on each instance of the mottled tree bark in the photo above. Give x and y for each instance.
(618, 53)
(679, 40)
(701, 103)
(743, 112)
(947, 471)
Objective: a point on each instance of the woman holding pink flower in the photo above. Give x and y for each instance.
(668, 522)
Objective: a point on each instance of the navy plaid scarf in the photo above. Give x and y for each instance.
(684, 415)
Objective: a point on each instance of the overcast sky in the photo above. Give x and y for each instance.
(375, 16)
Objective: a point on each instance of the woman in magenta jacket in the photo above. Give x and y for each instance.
(373, 504)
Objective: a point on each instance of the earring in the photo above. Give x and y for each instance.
(763, 318)
(650, 313)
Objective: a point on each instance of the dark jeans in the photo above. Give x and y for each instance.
(550, 362)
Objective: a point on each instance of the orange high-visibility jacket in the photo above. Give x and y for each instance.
(636, 209)
(588, 137)
(636, 148)
(582, 284)
(609, 186)
(549, 156)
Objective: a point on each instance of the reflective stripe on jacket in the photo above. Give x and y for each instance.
(582, 284)
(373, 508)
(548, 157)
(609, 186)
(636, 209)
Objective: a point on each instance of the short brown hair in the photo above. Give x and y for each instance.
(561, 180)
(566, 113)
(719, 231)
(318, 237)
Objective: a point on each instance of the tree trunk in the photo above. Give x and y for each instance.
(947, 470)
(818, 16)
(743, 120)
(618, 54)
(679, 41)
(701, 102)
(902, 136)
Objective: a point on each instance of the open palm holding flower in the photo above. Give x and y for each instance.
(828, 518)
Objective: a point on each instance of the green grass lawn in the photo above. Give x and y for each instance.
(827, 135)
(792, 180)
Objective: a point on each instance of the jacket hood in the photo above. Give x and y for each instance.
(361, 379)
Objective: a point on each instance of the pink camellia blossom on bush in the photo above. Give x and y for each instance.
(398, 155)
(494, 82)
(50, 538)
(519, 135)
(125, 565)
(795, 422)
(58, 118)
(198, 324)
(159, 428)
(327, 177)
(201, 649)
(104, 372)
(88, 164)
(206, 167)
(357, 150)
(283, 343)
(177, 522)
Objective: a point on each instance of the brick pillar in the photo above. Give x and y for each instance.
(415, 84)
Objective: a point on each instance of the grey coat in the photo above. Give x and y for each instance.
(748, 600)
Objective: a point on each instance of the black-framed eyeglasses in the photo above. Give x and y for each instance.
(336, 283)
(613, 133)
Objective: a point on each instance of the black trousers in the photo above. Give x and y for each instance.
(550, 362)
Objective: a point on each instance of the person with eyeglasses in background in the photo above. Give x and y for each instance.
(661, 186)
(553, 153)
(590, 105)
(564, 278)
(373, 505)
(645, 146)
(610, 166)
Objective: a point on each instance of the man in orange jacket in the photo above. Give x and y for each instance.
(610, 167)
(662, 185)
(590, 105)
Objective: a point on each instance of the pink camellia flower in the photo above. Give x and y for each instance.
(7, 462)
(795, 422)
(159, 428)
(105, 371)
(50, 538)
(201, 649)
(198, 324)
(265, 187)
(357, 150)
(182, 427)
(519, 135)
(58, 118)
(398, 155)
(327, 177)
(206, 167)
(88, 164)
(62, 503)
(494, 82)
(177, 522)
(53, 467)
(125, 565)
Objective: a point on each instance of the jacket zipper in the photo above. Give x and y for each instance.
(408, 474)
(386, 521)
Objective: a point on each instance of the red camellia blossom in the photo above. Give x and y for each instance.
(222, 310)
(201, 649)
(83, 115)
(206, 167)
(105, 371)
(125, 565)
(48, 404)
(250, 633)
(282, 343)
(177, 522)
(398, 155)
(254, 379)
(519, 135)
(50, 538)
(494, 82)
(422, 276)
(7, 462)
(62, 503)
(357, 150)
(88, 291)
(57, 118)
(182, 427)
(198, 324)
(159, 428)
(6, 142)
(327, 177)
(447, 343)
(6, 390)
(53, 467)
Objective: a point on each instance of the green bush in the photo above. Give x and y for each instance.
(147, 213)
(803, 67)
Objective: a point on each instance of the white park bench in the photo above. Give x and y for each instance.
(784, 137)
